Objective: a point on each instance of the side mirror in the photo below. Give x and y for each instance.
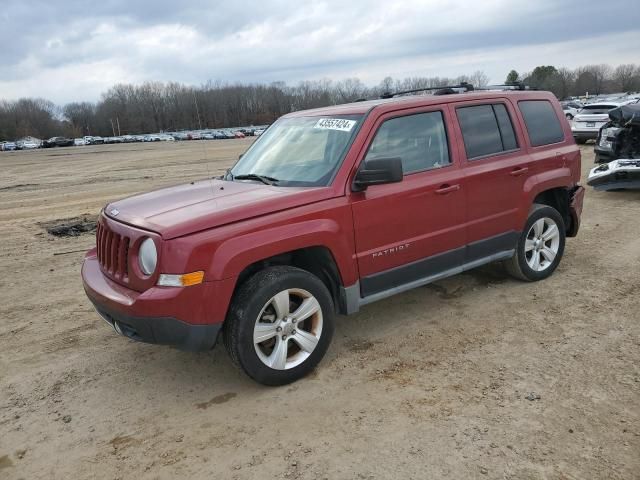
(378, 171)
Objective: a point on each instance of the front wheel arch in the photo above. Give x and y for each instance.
(317, 260)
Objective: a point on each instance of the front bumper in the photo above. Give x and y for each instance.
(615, 175)
(189, 318)
(162, 331)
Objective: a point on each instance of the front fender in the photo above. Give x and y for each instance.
(234, 254)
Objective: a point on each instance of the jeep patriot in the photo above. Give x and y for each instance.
(332, 209)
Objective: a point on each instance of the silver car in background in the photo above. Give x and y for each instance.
(587, 123)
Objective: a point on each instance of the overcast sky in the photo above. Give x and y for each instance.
(69, 50)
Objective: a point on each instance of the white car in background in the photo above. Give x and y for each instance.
(79, 142)
(586, 124)
(571, 108)
(27, 145)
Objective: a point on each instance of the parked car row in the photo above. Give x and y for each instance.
(208, 134)
(589, 117)
(26, 143)
(8, 146)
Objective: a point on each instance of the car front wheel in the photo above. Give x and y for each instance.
(540, 246)
(280, 325)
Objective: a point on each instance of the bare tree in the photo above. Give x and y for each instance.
(80, 116)
(155, 106)
(600, 74)
(562, 82)
(479, 79)
(627, 77)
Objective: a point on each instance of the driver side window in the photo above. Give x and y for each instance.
(420, 140)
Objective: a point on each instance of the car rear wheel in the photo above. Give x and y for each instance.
(280, 325)
(540, 246)
(569, 116)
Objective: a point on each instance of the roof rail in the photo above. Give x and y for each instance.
(466, 87)
(508, 86)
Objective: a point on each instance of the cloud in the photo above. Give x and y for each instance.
(70, 50)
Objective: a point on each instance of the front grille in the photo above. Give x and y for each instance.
(113, 252)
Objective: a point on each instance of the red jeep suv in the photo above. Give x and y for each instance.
(332, 209)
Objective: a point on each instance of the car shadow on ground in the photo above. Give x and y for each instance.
(166, 370)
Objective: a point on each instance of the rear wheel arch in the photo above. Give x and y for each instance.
(557, 198)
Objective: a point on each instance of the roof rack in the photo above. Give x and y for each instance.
(509, 86)
(464, 86)
(460, 88)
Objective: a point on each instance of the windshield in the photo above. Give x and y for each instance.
(299, 151)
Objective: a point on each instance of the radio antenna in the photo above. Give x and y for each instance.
(204, 147)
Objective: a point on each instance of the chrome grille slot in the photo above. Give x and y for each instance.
(113, 252)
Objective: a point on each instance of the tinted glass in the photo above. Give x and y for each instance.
(419, 140)
(479, 130)
(600, 108)
(542, 122)
(509, 141)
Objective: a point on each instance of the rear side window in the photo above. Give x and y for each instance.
(542, 122)
(419, 140)
(506, 128)
(486, 130)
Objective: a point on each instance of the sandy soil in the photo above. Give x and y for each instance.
(432, 383)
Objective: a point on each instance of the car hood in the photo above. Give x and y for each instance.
(176, 211)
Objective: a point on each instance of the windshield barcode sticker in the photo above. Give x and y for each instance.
(335, 124)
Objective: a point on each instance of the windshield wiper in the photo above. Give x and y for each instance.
(254, 176)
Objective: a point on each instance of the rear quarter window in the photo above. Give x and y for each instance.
(486, 130)
(543, 125)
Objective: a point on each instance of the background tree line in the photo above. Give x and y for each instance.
(156, 106)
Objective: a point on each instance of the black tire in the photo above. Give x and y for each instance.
(518, 265)
(569, 116)
(248, 304)
(581, 141)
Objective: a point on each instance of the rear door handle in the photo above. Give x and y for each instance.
(516, 172)
(446, 188)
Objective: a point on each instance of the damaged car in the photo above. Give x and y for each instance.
(618, 151)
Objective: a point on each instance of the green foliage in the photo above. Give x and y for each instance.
(512, 77)
(541, 77)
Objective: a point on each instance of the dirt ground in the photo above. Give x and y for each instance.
(439, 382)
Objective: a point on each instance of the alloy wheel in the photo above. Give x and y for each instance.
(542, 244)
(288, 329)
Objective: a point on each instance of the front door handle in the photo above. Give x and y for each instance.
(516, 172)
(446, 188)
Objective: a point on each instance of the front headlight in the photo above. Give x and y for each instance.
(607, 135)
(148, 256)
